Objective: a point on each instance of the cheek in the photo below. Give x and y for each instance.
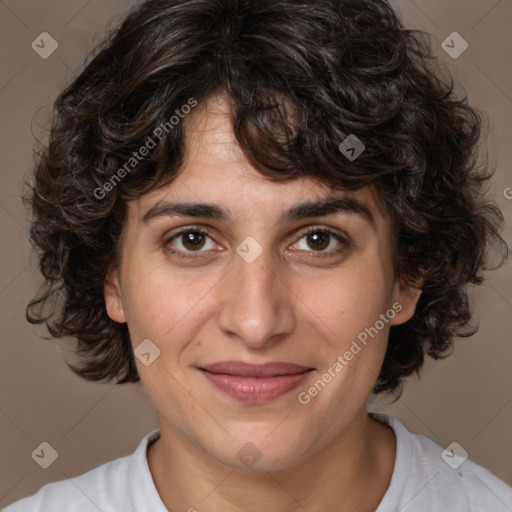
(349, 300)
(163, 306)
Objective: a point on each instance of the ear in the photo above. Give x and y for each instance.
(405, 297)
(113, 299)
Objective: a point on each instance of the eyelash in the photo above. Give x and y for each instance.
(197, 254)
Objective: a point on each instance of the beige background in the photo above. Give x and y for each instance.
(467, 398)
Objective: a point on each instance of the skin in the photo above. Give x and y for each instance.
(293, 303)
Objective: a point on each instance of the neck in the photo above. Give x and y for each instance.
(352, 472)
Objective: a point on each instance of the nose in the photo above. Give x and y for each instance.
(257, 305)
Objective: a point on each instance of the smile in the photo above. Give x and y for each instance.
(255, 383)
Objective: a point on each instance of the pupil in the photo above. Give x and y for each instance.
(321, 238)
(189, 240)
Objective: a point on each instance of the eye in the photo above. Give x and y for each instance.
(319, 240)
(190, 240)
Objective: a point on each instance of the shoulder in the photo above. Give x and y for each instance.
(83, 493)
(451, 477)
(429, 477)
(106, 487)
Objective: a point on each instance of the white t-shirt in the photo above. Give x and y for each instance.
(421, 482)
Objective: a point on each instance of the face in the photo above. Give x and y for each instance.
(252, 278)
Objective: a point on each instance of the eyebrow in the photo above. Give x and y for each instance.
(327, 206)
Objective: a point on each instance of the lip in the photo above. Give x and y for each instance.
(255, 383)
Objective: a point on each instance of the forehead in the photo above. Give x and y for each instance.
(216, 171)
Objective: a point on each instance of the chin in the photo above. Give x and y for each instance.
(261, 451)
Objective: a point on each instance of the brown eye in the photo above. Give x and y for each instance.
(189, 241)
(193, 240)
(323, 241)
(318, 240)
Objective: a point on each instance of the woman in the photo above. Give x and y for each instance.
(265, 211)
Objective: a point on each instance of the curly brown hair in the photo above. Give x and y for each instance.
(301, 76)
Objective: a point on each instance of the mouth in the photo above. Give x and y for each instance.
(252, 383)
